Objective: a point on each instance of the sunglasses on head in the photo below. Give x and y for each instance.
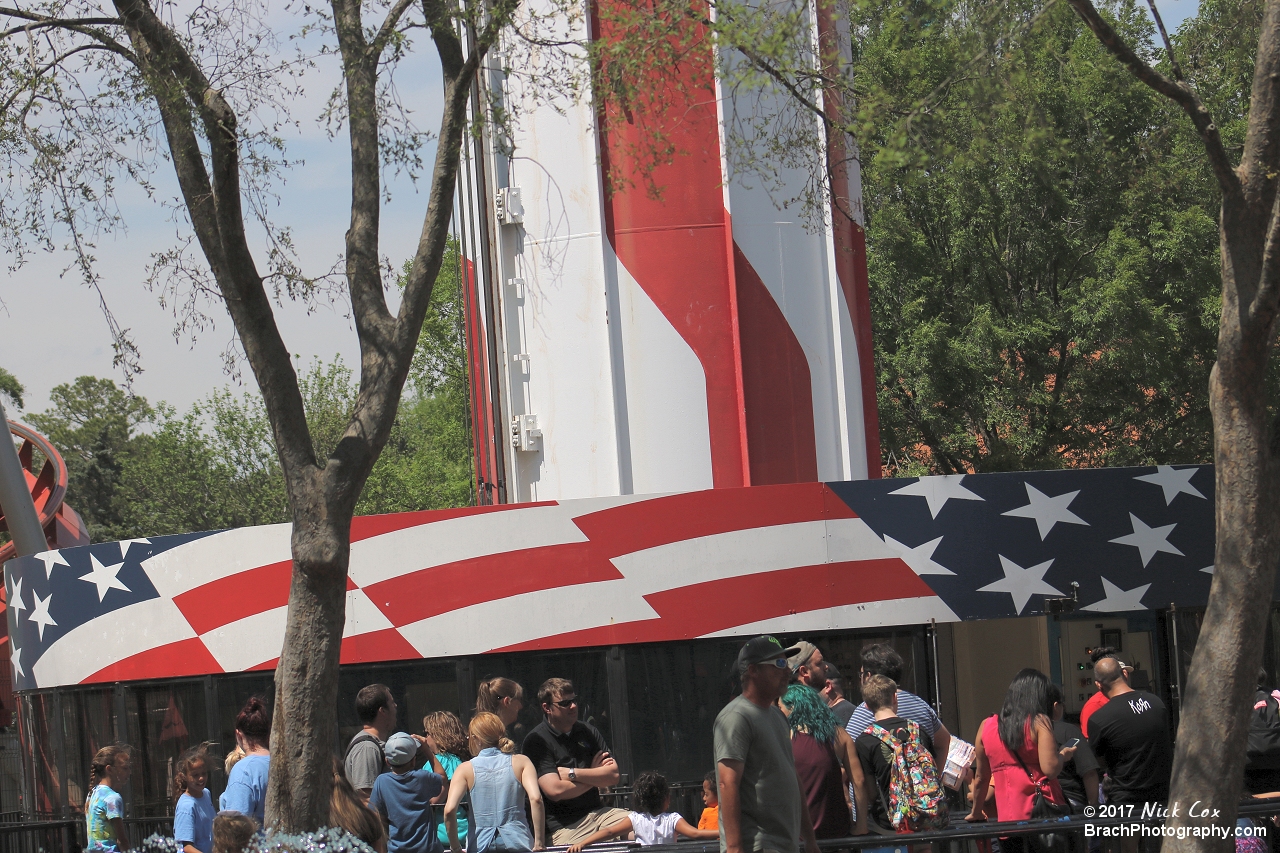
(780, 663)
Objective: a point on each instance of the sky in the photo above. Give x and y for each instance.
(52, 329)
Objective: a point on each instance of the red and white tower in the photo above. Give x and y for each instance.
(623, 344)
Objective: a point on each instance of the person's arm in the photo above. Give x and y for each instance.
(620, 828)
(1090, 780)
(528, 776)
(729, 773)
(461, 783)
(980, 781)
(1051, 760)
(941, 745)
(847, 753)
(122, 837)
(688, 830)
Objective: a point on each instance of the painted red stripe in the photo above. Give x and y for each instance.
(673, 242)
(375, 646)
(368, 526)
(439, 589)
(776, 386)
(657, 521)
(185, 657)
(237, 596)
(719, 605)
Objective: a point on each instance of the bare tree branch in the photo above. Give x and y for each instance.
(388, 27)
(1180, 93)
(1168, 45)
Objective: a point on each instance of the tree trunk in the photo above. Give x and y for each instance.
(1208, 766)
(305, 721)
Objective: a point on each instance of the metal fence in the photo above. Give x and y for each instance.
(68, 835)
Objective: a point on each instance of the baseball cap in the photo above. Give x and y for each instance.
(400, 749)
(799, 654)
(759, 650)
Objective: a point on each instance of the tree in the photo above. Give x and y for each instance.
(85, 85)
(94, 424)
(11, 387)
(1209, 760)
(1043, 257)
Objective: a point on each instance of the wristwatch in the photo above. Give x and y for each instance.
(573, 774)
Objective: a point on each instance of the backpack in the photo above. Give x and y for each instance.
(917, 800)
(1263, 750)
(362, 737)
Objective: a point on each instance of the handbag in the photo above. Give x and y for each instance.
(1044, 808)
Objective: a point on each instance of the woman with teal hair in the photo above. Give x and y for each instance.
(826, 763)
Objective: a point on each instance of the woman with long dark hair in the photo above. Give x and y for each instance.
(247, 783)
(1018, 749)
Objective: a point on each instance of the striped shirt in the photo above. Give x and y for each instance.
(910, 707)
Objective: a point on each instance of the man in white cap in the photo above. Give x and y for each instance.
(403, 797)
(761, 807)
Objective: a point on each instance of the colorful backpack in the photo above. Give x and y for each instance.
(916, 797)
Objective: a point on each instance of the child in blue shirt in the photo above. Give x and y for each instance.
(193, 812)
(403, 796)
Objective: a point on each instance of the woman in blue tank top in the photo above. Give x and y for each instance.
(498, 783)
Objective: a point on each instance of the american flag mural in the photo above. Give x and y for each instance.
(722, 562)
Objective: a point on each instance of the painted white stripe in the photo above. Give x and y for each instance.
(201, 561)
(393, 554)
(101, 642)
(249, 641)
(362, 615)
(875, 614)
(520, 618)
(744, 552)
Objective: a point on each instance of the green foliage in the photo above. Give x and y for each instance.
(11, 387)
(1042, 241)
(143, 472)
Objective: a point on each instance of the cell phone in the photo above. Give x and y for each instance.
(1075, 741)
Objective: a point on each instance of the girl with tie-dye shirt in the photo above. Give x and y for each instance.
(104, 809)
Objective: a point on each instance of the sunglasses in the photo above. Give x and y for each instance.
(780, 663)
(566, 703)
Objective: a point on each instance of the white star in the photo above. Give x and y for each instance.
(1047, 511)
(104, 577)
(125, 543)
(1119, 600)
(1148, 540)
(938, 490)
(1174, 482)
(51, 559)
(40, 615)
(1022, 583)
(1208, 570)
(16, 660)
(15, 597)
(919, 558)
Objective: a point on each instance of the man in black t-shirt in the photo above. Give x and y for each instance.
(1130, 736)
(881, 695)
(573, 763)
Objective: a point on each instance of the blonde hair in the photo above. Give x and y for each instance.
(346, 811)
(446, 730)
(492, 691)
(878, 692)
(232, 832)
(488, 730)
(233, 758)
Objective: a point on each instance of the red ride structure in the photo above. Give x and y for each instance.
(46, 475)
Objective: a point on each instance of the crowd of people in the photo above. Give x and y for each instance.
(794, 762)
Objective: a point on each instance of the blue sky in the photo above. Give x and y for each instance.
(52, 331)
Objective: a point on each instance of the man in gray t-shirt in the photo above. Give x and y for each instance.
(364, 760)
(761, 808)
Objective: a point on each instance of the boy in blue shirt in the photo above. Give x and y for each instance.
(404, 796)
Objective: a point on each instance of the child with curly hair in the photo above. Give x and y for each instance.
(651, 822)
(193, 810)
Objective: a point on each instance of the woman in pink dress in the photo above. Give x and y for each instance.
(1018, 749)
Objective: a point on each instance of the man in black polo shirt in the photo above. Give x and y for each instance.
(572, 763)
